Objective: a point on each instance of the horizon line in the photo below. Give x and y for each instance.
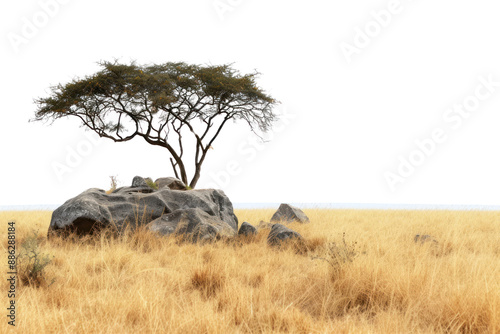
(306, 205)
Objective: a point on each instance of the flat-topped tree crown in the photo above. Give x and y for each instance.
(161, 103)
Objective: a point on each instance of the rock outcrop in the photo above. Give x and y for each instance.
(288, 214)
(139, 182)
(280, 233)
(193, 223)
(247, 230)
(170, 182)
(139, 205)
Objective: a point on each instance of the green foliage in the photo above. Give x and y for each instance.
(151, 183)
(162, 87)
(31, 263)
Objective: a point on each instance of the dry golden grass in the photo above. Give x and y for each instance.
(142, 284)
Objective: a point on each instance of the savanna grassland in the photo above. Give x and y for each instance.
(375, 279)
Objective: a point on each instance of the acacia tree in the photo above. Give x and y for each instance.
(162, 103)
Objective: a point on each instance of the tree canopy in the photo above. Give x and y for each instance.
(161, 103)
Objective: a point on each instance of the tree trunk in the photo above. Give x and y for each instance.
(196, 177)
(183, 173)
(182, 169)
(197, 172)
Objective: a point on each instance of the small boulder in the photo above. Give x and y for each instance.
(288, 214)
(247, 230)
(280, 233)
(138, 182)
(171, 183)
(263, 225)
(424, 238)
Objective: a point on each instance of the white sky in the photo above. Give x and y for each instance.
(347, 123)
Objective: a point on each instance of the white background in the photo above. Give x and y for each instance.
(350, 121)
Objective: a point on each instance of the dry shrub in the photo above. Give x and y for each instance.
(337, 254)
(32, 263)
(208, 280)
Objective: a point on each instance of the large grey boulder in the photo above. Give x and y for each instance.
(171, 183)
(247, 230)
(194, 223)
(288, 214)
(280, 233)
(135, 206)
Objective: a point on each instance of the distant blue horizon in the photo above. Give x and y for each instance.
(356, 206)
